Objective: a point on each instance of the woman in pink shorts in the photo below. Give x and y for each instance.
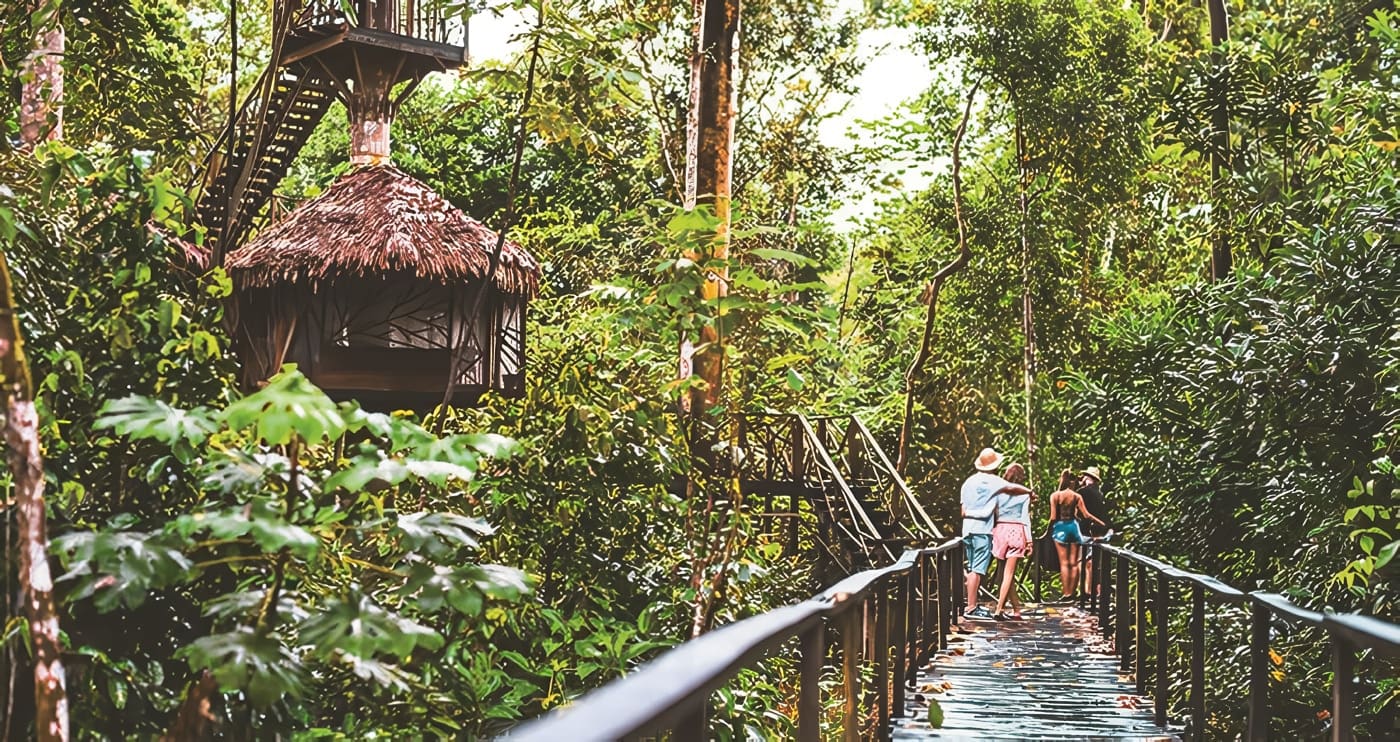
(1010, 542)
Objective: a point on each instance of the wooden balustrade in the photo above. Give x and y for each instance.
(1133, 598)
(889, 621)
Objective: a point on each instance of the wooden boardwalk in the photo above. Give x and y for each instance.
(1050, 676)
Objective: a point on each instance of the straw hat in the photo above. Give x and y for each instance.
(1092, 471)
(988, 460)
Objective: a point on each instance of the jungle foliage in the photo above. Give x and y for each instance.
(343, 574)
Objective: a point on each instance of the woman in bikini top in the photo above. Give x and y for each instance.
(1065, 504)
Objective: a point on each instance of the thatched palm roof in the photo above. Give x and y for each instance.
(375, 221)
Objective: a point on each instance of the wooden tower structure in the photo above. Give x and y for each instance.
(378, 289)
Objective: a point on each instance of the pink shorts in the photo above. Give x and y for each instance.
(1009, 540)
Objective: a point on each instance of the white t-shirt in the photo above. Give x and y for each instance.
(979, 495)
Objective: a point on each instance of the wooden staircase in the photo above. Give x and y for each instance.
(266, 140)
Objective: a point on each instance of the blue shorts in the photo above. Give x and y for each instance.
(977, 548)
(1066, 532)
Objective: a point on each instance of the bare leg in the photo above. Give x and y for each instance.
(974, 581)
(1067, 583)
(1074, 570)
(1008, 583)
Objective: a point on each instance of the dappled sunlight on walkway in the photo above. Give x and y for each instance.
(1049, 676)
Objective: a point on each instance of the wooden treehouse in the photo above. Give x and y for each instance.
(378, 289)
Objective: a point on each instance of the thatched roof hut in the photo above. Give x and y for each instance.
(377, 290)
(377, 221)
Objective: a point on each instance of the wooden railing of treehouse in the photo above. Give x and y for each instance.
(888, 622)
(1132, 588)
(425, 20)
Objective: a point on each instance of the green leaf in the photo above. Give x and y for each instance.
(261, 665)
(289, 404)
(787, 256)
(141, 418)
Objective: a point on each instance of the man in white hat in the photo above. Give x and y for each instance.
(979, 505)
(1089, 489)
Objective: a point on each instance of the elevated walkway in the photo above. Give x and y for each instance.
(1048, 677)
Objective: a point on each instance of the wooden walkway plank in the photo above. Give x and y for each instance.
(1050, 676)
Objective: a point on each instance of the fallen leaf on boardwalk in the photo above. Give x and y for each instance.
(998, 664)
(935, 714)
(1324, 715)
(1275, 657)
(959, 650)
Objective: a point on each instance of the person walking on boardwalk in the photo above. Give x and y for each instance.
(1011, 539)
(1089, 481)
(1065, 506)
(978, 505)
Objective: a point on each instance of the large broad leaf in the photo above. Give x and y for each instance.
(289, 404)
(141, 418)
(120, 568)
(357, 626)
(260, 665)
(440, 536)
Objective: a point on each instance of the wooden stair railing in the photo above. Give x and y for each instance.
(890, 620)
(1132, 587)
(266, 141)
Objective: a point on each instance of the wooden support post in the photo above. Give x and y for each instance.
(1343, 688)
(1104, 564)
(1160, 685)
(1122, 611)
(695, 725)
(880, 602)
(903, 605)
(1198, 661)
(794, 506)
(809, 700)
(851, 629)
(1258, 673)
(1144, 589)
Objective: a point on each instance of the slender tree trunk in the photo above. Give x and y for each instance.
(1221, 261)
(709, 162)
(1027, 296)
(27, 471)
(935, 288)
(41, 80)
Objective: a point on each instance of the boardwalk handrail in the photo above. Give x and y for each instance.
(887, 610)
(919, 517)
(1349, 633)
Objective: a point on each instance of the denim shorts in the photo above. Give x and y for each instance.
(978, 550)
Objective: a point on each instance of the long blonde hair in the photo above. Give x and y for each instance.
(1067, 479)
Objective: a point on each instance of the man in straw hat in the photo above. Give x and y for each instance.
(979, 504)
(1089, 481)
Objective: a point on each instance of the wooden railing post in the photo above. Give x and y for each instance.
(1104, 563)
(1122, 643)
(1144, 590)
(1258, 673)
(1343, 670)
(695, 725)
(904, 588)
(1198, 661)
(1160, 682)
(880, 601)
(809, 700)
(851, 630)
(943, 600)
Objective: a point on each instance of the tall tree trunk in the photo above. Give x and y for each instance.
(921, 359)
(41, 79)
(1023, 175)
(1221, 261)
(709, 162)
(27, 471)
